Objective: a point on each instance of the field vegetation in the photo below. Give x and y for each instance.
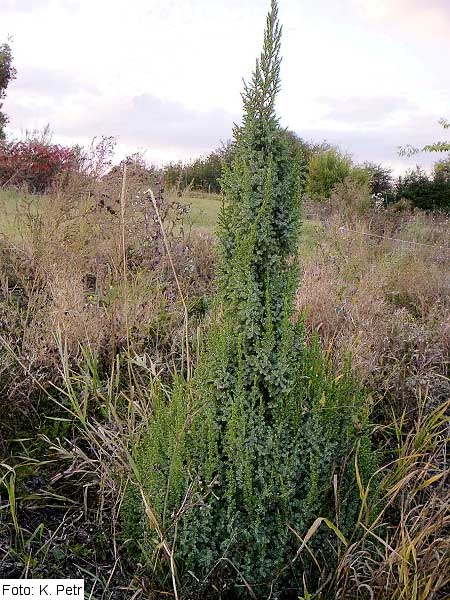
(227, 379)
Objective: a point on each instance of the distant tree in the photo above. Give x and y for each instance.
(7, 73)
(202, 173)
(442, 170)
(326, 169)
(425, 191)
(381, 180)
(308, 149)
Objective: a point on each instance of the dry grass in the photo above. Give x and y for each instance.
(62, 274)
(385, 302)
(401, 551)
(107, 332)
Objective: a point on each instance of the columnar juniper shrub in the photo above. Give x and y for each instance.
(262, 440)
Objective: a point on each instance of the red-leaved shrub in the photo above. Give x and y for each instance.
(34, 163)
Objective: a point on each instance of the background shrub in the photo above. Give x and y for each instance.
(326, 169)
(442, 170)
(305, 150)
(34, 163)
(352, 196)
(381, 180)
(428, 192)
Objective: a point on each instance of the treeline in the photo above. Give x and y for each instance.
(37, 164)
(202, 173)
(324, 167)
(428, 192)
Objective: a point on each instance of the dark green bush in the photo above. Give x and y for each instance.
(262, 440)
(381, 180)
(425, 191)
(202, 173)
(305, 149)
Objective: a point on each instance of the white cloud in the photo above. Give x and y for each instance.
(368, 110)
(167, 74)
(21, 6)
(424, 18)
(150, 121)
(52, 82)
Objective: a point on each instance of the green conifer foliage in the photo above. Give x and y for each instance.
(253, 443)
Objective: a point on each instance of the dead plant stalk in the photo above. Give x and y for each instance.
(166, 245)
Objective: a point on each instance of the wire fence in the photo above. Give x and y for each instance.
(319, 218)
(385, 237)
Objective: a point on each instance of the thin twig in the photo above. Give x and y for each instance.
(168, 550)
(124, 252)
(166, 244)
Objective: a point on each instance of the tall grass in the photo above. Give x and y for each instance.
(377, 285)
(398, 550)
(77, 400)
(103, 279)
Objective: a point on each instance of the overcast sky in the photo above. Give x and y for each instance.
(165, 76)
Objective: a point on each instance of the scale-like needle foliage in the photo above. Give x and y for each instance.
(261, 440)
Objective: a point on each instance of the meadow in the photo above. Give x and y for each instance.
(85, 343)
(242, 394)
